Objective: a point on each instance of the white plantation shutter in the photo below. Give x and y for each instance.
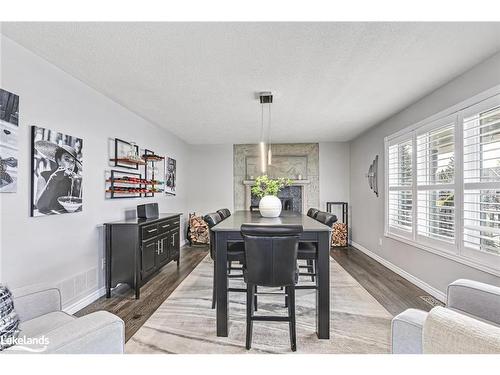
(400, 181)
(443, 184)
(436, 182)
(481, 156)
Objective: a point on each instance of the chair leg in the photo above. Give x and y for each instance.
(255, 298)
(214, 287)
(250, 299)
(316, 271)
(291, 315)
(229, 264)
(310, 268)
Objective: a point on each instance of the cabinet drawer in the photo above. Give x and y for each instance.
(168, 225)
(149, 231)
(165, 226)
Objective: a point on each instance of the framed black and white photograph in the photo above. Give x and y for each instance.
(170, 176)
(57, 166)
(9, 124)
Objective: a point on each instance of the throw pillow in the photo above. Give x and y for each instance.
(9, 321)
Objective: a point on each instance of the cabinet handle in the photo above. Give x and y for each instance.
(158, 248)
(165, 226)
(173, 239)
(152, 230)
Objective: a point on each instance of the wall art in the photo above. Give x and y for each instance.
(9, 124)
(372, 176)
(57, 172)
(170, 176)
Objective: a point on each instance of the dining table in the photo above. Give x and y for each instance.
(229, 230)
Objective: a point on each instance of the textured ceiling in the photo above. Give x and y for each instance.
(331, 80)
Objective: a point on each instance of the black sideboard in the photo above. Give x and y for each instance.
(136, 249)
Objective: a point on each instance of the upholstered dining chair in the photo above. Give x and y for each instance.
(235, 253)
(312, 212)
(224, 213)
(308, 251)
(271, 261)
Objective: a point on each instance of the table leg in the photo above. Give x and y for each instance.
(323, 290)
(221, 259)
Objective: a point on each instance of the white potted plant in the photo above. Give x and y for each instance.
(267, 190)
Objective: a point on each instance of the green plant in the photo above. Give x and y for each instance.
(268, 186)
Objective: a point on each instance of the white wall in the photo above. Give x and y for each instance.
(66, 250)
(367, 215)
(211, 178)
(334, 169)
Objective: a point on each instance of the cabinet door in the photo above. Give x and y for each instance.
(149, 252)
(174, 243)
(162, 256)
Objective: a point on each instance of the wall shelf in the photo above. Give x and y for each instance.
(129, 182)
(122, 184)
(121, 187)
(152, 157)
(128, 161)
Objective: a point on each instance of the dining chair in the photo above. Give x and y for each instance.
(235, 253)
(271, 261)
(224, 213)
(308, 251)
(312, 212)
(235, 245)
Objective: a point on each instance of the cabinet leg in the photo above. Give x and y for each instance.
(108, 292)
(137, 292)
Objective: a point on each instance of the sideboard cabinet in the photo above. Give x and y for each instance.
(136, 249)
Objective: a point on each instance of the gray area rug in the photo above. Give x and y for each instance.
(185, 322)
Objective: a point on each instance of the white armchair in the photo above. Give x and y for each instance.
(40, 314)
(469, 324)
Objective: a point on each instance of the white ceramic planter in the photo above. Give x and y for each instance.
(270, 206)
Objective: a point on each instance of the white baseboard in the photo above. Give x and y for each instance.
(413, 279)
(76, 306)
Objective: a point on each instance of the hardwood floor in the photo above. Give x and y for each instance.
(135, 312)
(392, 291)
(389, 289)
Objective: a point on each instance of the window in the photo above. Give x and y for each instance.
(482, 181)
(400, 182)
(443, 184)
(436, 182)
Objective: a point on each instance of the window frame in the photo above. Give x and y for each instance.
(455, 251)
(399, 232)
(468, 252)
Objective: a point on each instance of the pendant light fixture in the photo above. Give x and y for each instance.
(266, 99)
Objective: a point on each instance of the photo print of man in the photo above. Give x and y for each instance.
(57, 172)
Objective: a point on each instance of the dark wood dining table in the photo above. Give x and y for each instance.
(228, 230)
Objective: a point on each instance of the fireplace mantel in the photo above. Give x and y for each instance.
(302, 183)
(293, 182)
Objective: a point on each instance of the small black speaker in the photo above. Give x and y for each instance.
(147, 211)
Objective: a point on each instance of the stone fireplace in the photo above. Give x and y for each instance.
(296, 161)
(295, 195)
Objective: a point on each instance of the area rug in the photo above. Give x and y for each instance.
(185, 322)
